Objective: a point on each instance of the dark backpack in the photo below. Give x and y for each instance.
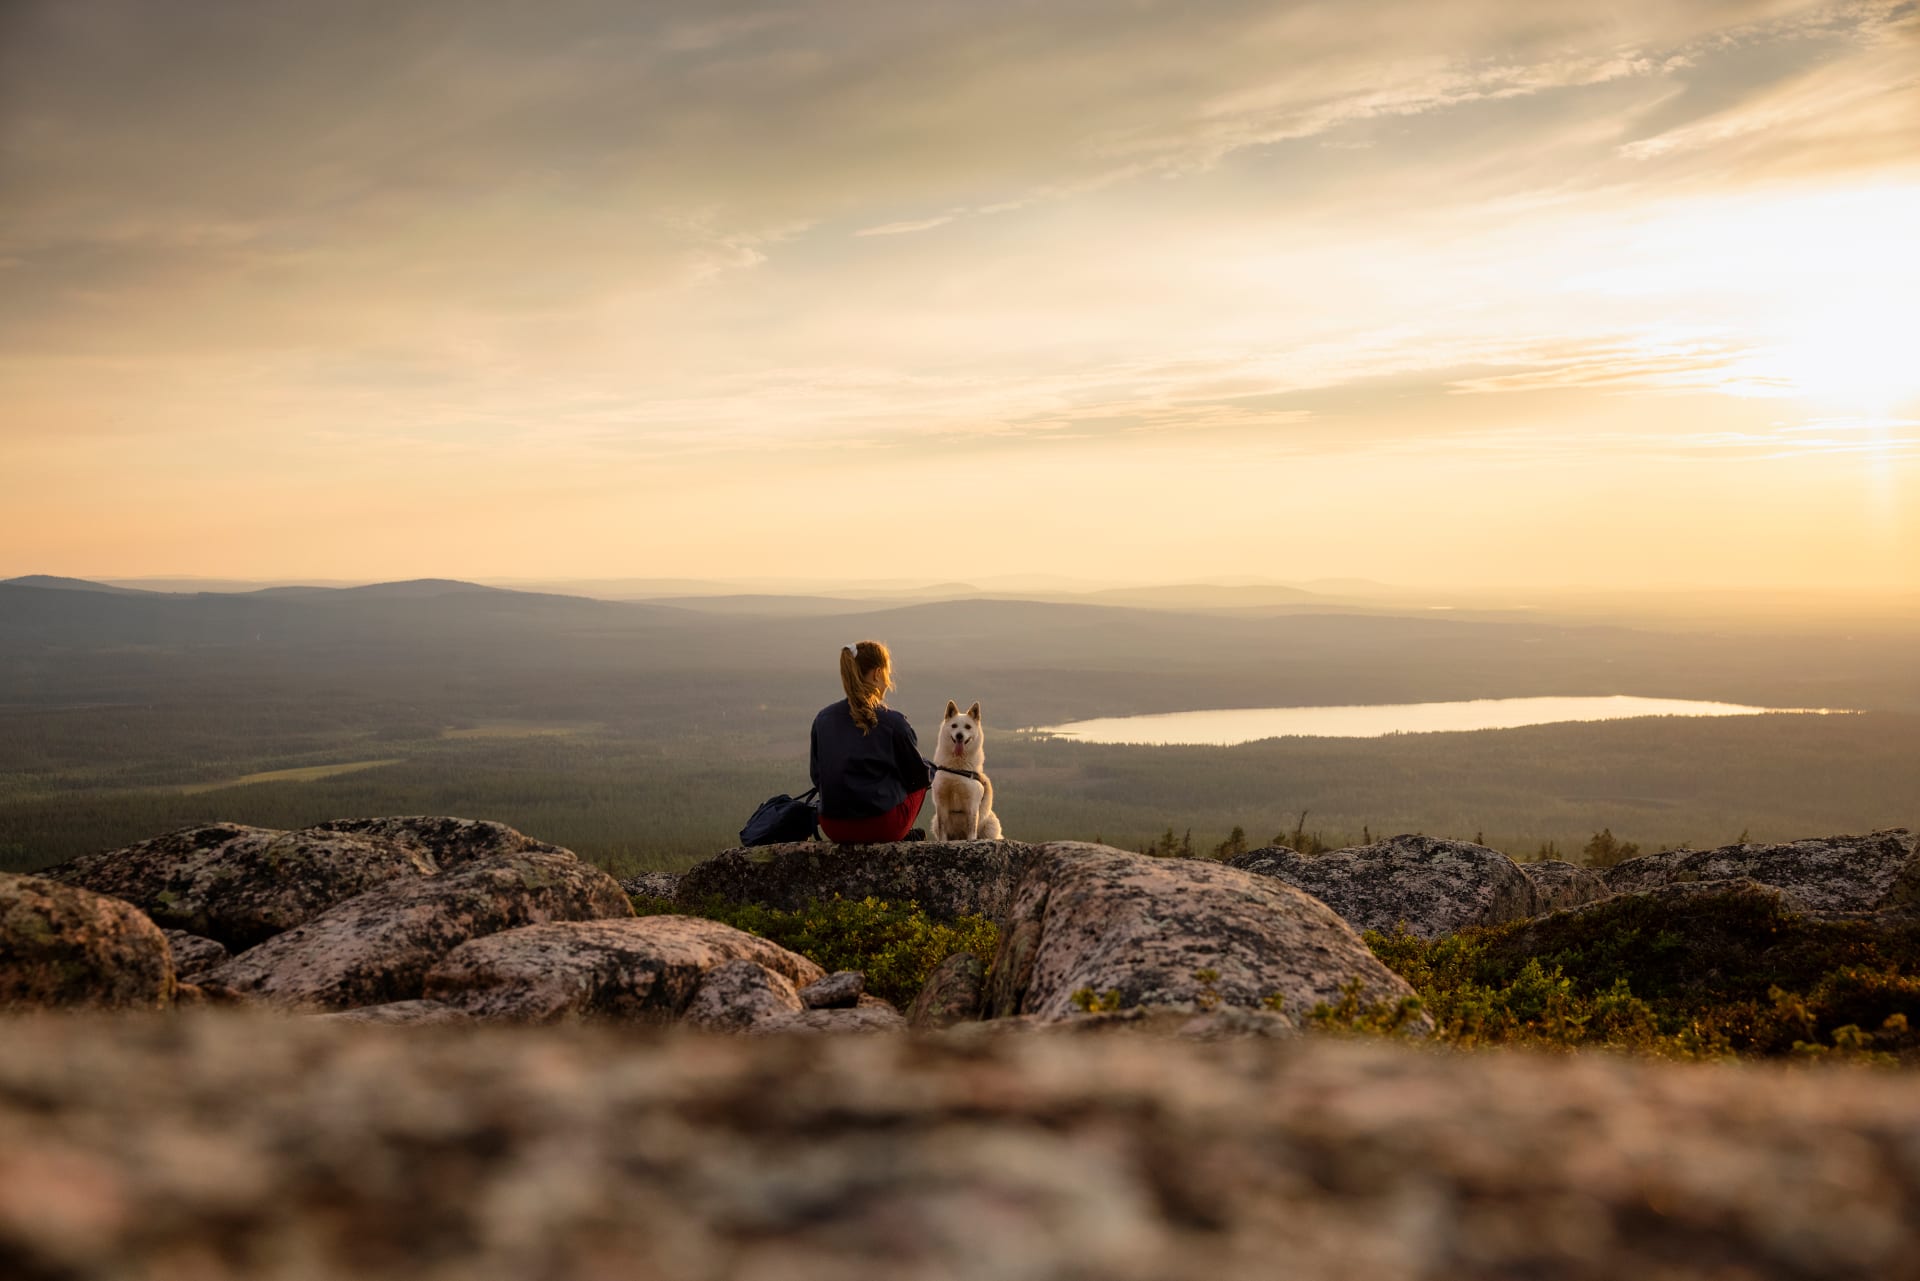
(784, 818)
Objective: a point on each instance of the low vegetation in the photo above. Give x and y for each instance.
(897, 945)
(1708, 975)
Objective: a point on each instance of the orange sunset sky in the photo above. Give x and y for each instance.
(1457, 293)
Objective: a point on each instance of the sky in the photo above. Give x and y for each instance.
(1433, 293)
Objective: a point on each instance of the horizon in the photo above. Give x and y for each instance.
(1332, 591)
(1437, 295)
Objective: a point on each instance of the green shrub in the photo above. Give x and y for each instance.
(1701, 975)
(897, 946)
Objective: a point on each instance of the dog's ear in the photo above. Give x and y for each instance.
(952, 707)
(974, 711)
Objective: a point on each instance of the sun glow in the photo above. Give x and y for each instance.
(1857, 353)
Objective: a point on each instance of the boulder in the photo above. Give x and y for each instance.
(411, 1013)
(61, 946)
(449, 842)
(840, 990)
(1130, 930)
(223, 1148)
(735, 995)
(664, 885)
(646, 967)
(871, 1015)
(1827, 874)
(193, 955)
(946, 878)
(954, 993)
(242, 885)
(1561, 885)
(378, 947)
(1433, 886)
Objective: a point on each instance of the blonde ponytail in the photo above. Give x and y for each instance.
(866, 673)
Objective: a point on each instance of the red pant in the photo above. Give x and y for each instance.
(890, 826)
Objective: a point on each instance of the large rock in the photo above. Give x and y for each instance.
(193, 955)
(735, 995)
(1087, 918)
(408, 1013)
(62, 946)
(377, 948)
(242, 885)
(946, 878)
(653, 885)
(449, 842)
(871, 1015)
(840, 990)
(646, 967)
(1829, 874)
(1562, 885)
(221, 1148)
(954, 993)
(1433, 886)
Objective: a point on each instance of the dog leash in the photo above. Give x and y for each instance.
(963, 773)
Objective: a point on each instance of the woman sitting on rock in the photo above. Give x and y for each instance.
(865, 759)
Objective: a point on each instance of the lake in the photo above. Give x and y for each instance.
(1227, 726)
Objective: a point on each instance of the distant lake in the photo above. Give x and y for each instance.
(1227, 726)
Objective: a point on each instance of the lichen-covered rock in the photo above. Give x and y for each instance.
(242, 885)
(378, 947)
(646, 967)
(735, 995)
(193, 955)
(1562, 885)
(61, 946)
(1433, 886)
(450, 842)
(840, 990)
(221, 1148)
(410, 1013)
(954, 993)
(1087, 918)
(653, 885)
(870, 1014)
(946, 878)
(1828, 874)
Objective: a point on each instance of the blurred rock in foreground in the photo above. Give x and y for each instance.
(224, 1145)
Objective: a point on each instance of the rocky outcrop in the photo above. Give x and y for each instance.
(735, 995)
(1830, 874)
(65, 947)
(408, 1013)
(1561, 885)
(1433, 886)
(1087, 918)
(378, 947)
(954, 993)
(193, 955)
(221, 1148)
(242, 885)
(646, 967)
(871, 1014)
(840, 990)
(449, 842)
(664, 885)
(946, 878)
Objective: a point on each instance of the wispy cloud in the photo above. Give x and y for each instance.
(907, 227)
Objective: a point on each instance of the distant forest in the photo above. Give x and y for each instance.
(642, 737)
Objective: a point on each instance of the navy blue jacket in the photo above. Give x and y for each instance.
(864, 775)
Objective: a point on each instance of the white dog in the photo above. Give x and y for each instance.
(962, 793)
